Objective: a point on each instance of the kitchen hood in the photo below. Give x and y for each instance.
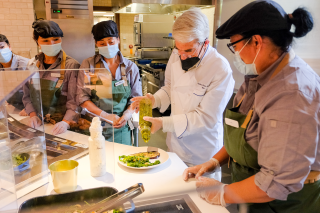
(157, 6)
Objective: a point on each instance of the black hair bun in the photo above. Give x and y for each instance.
(303, 21)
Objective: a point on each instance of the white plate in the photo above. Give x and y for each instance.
(133, 150)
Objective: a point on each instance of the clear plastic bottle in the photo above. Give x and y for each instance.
(97, 149)
(145, 126)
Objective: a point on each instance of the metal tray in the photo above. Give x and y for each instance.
(62, 202)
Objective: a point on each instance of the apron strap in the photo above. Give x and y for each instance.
(62, 71)
(123, 72)
(248, 118)
(241, 99)
(98, 65)
(287, 58)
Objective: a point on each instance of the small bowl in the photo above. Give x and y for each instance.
(64, 175)
(25, 165)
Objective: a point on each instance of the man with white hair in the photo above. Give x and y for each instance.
(198, 85)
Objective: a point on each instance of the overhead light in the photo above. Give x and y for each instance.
(99, 12)
(109, 15)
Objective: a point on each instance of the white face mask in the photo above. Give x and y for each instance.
(246, 69)
(109, 51)
(51, 50)
(5, 55)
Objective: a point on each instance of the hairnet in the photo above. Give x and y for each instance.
(47, 28)
(105, 29)
(264, 15)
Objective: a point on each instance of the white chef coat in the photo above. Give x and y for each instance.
(198, 98)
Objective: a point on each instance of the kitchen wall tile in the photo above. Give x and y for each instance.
(9, 17)
(10, 28)
(21, 5)
(23, 28)
(126, 31)
(16, 18)
(9, 4)
(4, 11)
(6, 22)
(15, 11)
(16, 22)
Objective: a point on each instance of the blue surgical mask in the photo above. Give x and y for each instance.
(5, 55)
(109, 51)
(51, 50)
(246, 69)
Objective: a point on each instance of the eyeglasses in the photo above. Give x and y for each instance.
(186, 54)
(230, 45)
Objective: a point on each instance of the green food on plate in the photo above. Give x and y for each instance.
(19, 159)
(137, 161)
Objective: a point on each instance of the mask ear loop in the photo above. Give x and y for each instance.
(244, 45)
(256, 56)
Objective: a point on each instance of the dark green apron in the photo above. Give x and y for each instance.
(53, 102)
(245, 164)
(120, 96)
(16, 99)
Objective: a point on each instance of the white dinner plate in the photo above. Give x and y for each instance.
(133, 150)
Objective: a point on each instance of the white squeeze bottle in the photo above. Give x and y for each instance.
(97, 149)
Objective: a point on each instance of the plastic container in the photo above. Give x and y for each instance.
(97, 149)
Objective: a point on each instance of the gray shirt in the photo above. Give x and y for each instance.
(284, 128)
(132, 72)
(69, 88)
(18, 63)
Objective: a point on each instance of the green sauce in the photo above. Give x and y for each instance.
(145, 126)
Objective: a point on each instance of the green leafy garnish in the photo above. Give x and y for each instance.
(19, 159)
(137, 161)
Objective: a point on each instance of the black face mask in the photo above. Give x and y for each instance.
(190, 62)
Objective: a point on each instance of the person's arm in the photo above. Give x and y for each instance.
(222, 156)
(209, 166)
(27, 100)
(91, 107)
(245, 191)
(70, 90)
(288, 137)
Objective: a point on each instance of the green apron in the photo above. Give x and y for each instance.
(53, 102)
(16, 99)
(120, 96)
(245, 164)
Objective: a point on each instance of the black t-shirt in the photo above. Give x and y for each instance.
(46, 66)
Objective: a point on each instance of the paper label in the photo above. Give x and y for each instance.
(231, 122)
(119, 83)
(56, 75)
(31, 130)
(10, 119)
